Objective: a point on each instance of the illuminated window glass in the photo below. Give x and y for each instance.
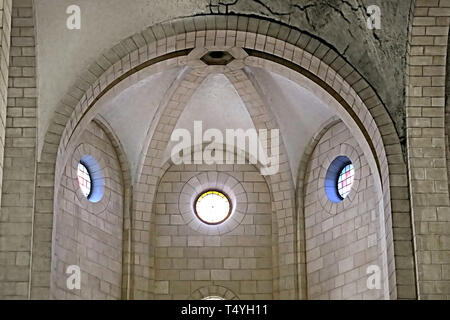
(339, 179)
(345, 180)
(84, 180)
(90, 178)
(212, 207)
(213, 298)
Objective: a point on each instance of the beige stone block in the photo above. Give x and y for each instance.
(161, 287)
(231, 263)
(220, 275)
(202, 275)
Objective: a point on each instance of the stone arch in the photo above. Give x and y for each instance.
(280, 183)
(128, 191)
(173, 39)
(219, 171)
(169, 163)
(111, 158)
(309, 150)
(219, 291)
(299, 197)
(311, 194)
(248, 158)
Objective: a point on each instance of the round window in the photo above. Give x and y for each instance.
(339, 179)
(90, 178)
(212, 207)
(345, 180)
(213, 298)
(84, 179)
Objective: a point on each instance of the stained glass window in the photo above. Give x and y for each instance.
(213, 298)
(84, 180)
(345, 180)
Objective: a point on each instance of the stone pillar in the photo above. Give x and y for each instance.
(425, 117)
(17, 205)
(5, 40)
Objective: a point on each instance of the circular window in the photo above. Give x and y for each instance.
(90, 179)
(339, 179)
(213, 298)
(345, 180)
(212, 207)
(84, 179)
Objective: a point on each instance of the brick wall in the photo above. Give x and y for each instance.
(88, 234)
(239, 257)
(342, 239)
(19, 156)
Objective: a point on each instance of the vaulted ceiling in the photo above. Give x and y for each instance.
(300, 111)
(64, 55)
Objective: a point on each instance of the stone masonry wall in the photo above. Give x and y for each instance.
(237, 255)
(19, 155)
(425, 111)
(5, 41)
(89, 235)
(342, 239)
